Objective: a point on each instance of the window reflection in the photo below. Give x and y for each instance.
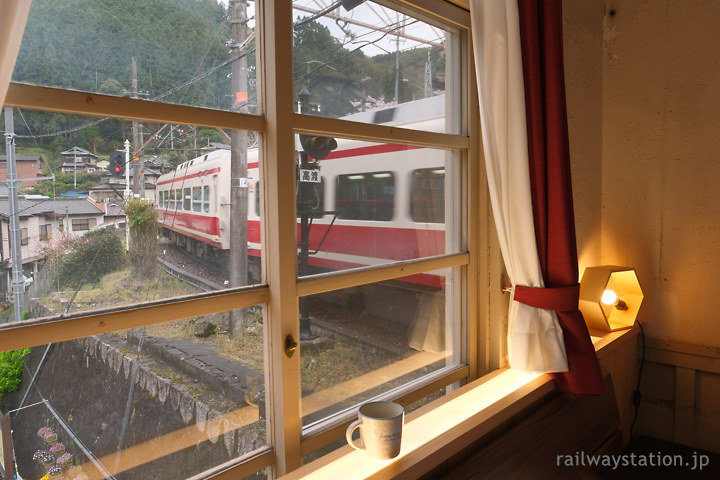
(366, 196)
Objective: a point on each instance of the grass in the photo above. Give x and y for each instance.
(339, 360)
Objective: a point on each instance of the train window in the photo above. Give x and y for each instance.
(427, 195)
(197, 199)
(186, 199)
(178, 199)
(206, 199)
(171, 202)
(365, 196)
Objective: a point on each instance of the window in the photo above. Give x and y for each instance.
(82, 224)
(206, 199)
(366, 196)
(427, 195)
(382, 303)
(186, 200)
(197, 199)
(23, 236)
(45, 232)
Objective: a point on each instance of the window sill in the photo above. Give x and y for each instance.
(440, 429)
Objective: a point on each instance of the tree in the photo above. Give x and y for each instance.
(142, 220)
(328, 70)
(11, 368)
(85, 259)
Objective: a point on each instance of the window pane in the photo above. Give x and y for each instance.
(427, 195)
(372, 64)
(165, 401)
(382, 203)
(365, 196)
(78, 245)
(185, 52)
(373, 339)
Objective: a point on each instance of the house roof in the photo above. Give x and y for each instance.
(23, 158)
(114, 210)
(80, 152)
(54, 206)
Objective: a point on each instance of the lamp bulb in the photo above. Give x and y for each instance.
(609, 297)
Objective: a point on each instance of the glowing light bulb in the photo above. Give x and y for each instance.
(609, 297)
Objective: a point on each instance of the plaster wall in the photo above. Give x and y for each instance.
(583, 44)
(660, 174)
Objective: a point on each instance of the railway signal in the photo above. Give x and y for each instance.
(317, 147)
(117, 163)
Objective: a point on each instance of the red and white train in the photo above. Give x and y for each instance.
(376, 203)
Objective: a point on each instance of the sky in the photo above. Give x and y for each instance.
(369, 13)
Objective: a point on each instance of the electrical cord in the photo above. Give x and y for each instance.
(636, 394)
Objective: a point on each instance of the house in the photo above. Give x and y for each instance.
(42, 221)
(641, 85)
(114, 189)
(28, 168)
(78, 160)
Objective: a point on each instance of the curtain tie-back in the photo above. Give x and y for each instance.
(560, 299)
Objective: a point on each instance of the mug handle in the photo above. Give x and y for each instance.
(348, 434)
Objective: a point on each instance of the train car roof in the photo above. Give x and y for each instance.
(417, 110)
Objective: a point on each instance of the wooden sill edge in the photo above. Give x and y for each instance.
(439, 427)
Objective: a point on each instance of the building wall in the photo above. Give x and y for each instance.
(661, 209)
(25, 169)
(643, 81)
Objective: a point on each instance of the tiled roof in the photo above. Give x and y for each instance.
(23, 158)
(81, 152)
(114, 210)
(57, 206)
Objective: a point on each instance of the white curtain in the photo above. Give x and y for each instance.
(535, 339)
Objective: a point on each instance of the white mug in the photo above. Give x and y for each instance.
(381, 425)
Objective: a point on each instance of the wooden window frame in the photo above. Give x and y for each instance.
(278, 126)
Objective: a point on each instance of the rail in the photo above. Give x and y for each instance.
(189, 278)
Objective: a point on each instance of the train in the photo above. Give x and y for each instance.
(367, 203)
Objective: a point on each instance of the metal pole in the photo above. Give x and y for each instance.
(305, 329)
(15, 248)
(127, 194)
(303, 211)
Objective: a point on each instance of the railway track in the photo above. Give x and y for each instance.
(189, 269)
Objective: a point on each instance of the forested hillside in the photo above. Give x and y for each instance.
(87, 45)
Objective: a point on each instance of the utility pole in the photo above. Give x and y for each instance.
(18, 283)
(238, 267)
(397, 65)
(428, 76)
(138, 183)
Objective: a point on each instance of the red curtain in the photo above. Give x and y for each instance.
(551, 187)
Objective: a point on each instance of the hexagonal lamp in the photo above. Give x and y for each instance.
(610, 297)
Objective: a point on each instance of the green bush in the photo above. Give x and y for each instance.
(89, 257)
(11, 368)
(142, 219)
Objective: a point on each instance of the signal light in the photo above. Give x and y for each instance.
(117, 163)
(318, 147)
